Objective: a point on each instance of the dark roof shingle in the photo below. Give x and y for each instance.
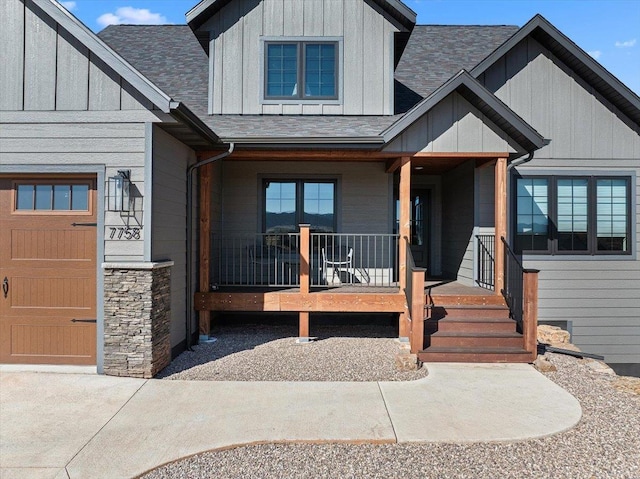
(435, 53)
(171, 57)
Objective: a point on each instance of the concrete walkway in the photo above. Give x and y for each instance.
(63, 426)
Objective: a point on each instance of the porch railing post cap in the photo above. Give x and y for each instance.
(530, 270)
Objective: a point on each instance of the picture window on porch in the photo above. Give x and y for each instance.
(573, 215)
(288, 203)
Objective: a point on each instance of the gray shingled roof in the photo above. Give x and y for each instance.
(435, 53)
(172, 58)
(168, 55)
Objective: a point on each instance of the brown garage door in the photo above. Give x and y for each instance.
(48, 270)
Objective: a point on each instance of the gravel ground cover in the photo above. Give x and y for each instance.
(270, 353)
(605, 444)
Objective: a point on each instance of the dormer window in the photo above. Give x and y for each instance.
(301, 70)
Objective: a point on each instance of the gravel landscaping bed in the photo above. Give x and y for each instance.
(605, 444)
(270, 353)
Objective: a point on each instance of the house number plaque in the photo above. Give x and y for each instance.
(122, 233)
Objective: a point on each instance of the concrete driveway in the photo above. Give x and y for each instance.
(63, 426)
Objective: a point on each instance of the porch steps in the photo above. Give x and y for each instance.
(474, 329)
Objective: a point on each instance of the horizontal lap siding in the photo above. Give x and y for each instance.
(116, 146)
(170, 161)
(237, 60)
(458, 223)
(363, 197)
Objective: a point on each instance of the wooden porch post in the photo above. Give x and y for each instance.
(405, 232)
(303, 330)
(530, 311)
(500, 221)
(417, 309)
(205, 173)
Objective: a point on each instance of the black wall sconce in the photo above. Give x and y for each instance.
(119, 194)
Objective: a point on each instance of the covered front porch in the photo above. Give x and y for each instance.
(310, 271)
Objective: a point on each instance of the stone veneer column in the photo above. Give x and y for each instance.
(137, 317)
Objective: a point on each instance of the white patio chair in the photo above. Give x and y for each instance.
(336, 264)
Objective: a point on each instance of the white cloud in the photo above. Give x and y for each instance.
(627, 44)
(595, 54)
(130, 15)
(68, 5)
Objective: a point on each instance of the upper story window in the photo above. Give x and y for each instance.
(573, 215)
(301, 70)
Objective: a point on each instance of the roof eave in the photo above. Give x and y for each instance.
(372, 142)
(186, 116)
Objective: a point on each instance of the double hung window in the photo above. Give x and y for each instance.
(573, 215)
(301, 70)
(287, 203)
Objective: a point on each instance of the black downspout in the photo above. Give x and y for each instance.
(190, 171)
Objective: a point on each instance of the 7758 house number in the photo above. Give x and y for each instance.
(124, 233)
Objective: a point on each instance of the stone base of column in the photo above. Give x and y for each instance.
(137, 318)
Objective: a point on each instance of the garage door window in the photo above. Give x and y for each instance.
(63, 197)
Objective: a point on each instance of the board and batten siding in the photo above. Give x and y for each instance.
(171, 159)
(113, 146)
(453, 125)
(236, 56)
(363, 196)
(600, 296)
(44, 68)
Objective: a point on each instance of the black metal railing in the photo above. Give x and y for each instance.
(335, 259)
(485, 262)
(268, 259)
(338, 259)
(513, 290)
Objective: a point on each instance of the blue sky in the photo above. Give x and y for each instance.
(608, 29)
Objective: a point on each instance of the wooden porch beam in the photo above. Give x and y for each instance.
(325, 155)
(315, 302)
(468, 155)
(205, 174)
(405, 233)
(500, 221)
(393, 165)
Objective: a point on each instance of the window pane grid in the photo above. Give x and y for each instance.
(284, 78)
(612, 219)
(532, 220)
(52, 197)
(589, 215)
(282, 70)
(289, 203)
(320, 70)
(572, 214)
